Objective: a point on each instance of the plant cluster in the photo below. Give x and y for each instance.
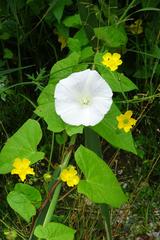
(79, 87)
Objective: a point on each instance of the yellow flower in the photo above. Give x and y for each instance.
(125, 121)
(136, 27)
(21, 167)
(69, 175)
(112, 60)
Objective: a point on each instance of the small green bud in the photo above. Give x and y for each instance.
(10, 234)
(135, 97)
(47, 177)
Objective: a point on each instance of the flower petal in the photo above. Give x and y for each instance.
(128, 114)
(25, 163)
(83, 98)
(127, 128)
(132, 121)
(22, 176)
(30, 171)
(15, 171)
(116, 56)
(17, 163)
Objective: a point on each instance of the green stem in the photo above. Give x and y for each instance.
(126, 11)
(55, 197)
(52, 204)
(51, 152)
(107, 222)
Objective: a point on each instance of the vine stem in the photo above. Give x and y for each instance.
(52, 204)
(55, 197)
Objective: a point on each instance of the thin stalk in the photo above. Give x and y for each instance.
(17, 84)
(52, 204)
(126, 11)
(51, 152)
(4, 129)
(55, 197)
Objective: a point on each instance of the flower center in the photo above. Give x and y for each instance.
(125, 121)
(85, 101)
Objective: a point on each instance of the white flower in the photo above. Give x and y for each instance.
(83, 98)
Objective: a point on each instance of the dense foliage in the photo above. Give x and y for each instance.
(43, 42)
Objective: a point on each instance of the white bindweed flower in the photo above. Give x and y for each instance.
(83, 98)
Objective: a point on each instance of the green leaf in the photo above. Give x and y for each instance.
(108, 129)
(117, 81)
(82, 37)
(4, 36)
(31, 193)
(71, 130)
(46, 109)
(21, 204)
(23, 144)
(54, 231)
(101, 185)
(24, 200)
(73, 21)
(8, 54)
(61, 138)
(59, 8)
(64, 67)
(86, 53)
(74, 44)
(113, 36)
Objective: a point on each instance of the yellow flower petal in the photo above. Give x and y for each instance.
(128, 114)
(76, 180)
(72, 171)
(64, 175)
(25, 162)
(116, 56)
(111, 61)
(70, 176)
(121, 125)
(107, 56)
(22, 176)
(133, 121)
(14, 171)
(30, 171)
(70, 183)
(120, 117)
(113, 68)
(127, 128)
(119, 62)
(17, 162)
(73, 181)
(125, 121)
(22, 168)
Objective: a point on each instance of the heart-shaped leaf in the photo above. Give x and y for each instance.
(24, 200)
(100, 184)
(54, 231)
(23, 144)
